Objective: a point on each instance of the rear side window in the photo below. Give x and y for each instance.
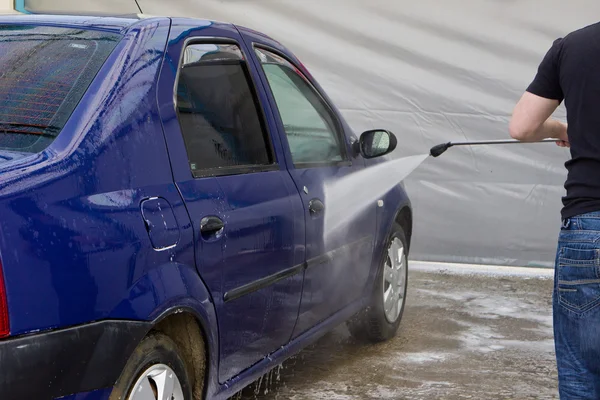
(218, 111)
(44, 72)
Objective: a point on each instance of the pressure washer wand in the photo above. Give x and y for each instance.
(439, 149)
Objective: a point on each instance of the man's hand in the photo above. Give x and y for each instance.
(562, 136)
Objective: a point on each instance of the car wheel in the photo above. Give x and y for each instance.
(155, 370)
(381, 319)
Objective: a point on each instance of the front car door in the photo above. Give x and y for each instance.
(318, 151)
(245, 210)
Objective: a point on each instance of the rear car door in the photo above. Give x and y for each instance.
(245, 210)
(318, 151)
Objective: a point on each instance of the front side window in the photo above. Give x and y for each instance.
(44, 72)
(218, 110)
(309, 124)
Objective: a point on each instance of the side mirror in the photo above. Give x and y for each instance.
(375, 143)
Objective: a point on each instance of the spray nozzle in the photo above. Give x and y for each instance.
(439, 149)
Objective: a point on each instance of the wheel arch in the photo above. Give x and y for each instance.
(404, 217)
(181, 307)
(188, 330)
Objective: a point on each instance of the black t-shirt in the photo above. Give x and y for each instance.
(570, 71)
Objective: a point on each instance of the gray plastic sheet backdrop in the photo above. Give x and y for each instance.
(431, 71)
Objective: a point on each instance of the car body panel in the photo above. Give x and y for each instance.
(263, 232)
(73, 239)
(101, 394)
(338, 265)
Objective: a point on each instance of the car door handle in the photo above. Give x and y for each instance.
(211, 226)
(316, 206)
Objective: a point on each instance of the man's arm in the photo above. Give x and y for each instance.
(531, 120)
(531, 117)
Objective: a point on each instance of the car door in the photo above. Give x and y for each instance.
(245, 210)
(318, 152)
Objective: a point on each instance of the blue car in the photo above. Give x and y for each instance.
(163, 210)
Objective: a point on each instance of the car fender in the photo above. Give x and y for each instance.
(169, 289)
(389, 207)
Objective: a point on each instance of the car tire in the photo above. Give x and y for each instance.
(379, 321)
(155, 361)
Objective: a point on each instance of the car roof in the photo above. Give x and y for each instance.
(108, 22)
(117, 23)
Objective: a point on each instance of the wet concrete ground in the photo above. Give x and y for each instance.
(463, 336)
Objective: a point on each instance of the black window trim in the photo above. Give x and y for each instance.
(236, 169)
(340, 133)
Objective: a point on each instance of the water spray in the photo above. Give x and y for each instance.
(439, 149)
(360, 190)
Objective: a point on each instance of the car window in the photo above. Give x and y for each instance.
(44, 72)
(218, 109)
(309, 124)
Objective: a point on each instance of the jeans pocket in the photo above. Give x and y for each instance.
(578, 271)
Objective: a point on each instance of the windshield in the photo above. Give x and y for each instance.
(44, 72)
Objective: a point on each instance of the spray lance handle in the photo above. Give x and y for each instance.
(439, 149)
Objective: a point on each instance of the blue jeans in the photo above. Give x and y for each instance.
(576, 307)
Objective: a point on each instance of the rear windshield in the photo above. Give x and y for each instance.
(44, 72)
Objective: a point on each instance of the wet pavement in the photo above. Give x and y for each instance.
(465, 334)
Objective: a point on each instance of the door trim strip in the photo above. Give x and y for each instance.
(271, 279)
(324, 258)
(261, 283)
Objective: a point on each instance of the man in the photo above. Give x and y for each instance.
(570, 71)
